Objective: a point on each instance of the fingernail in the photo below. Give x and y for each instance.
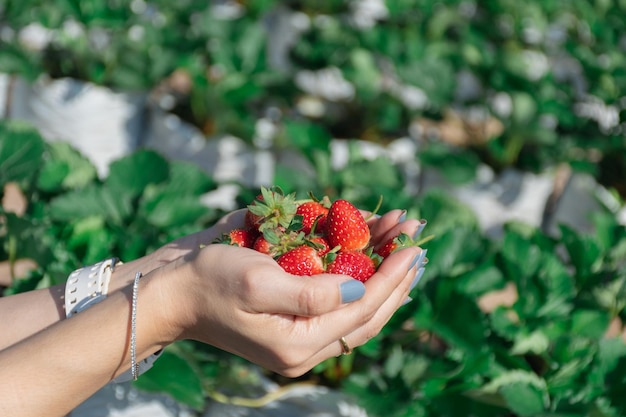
(419, 228)
(423, 260)
(351, 290)
(407, 301)
(418, 277)
(402, 217)
(419, 259)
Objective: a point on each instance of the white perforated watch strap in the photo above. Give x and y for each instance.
(88, 286)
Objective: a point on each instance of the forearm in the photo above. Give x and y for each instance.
(56, 369)
(28, 313)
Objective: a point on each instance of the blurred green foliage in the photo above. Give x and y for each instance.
(548, 75)
(544, 351)
(528, 85)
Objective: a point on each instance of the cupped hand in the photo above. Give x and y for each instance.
(241, 301)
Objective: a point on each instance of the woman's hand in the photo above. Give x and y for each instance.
(241, 301)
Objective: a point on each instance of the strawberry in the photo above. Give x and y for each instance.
(271, 209)
(312, 211)
(239, 237)
(399, 242)
(346, 227)
(275, 242)
(320, 244)
(262, 245)
(356, 264)
(302, 260)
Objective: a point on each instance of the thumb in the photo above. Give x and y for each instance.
(310, 296)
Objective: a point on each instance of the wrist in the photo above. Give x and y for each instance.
(90, 285)
(169, 303)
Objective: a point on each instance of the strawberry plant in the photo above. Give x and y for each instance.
(527, 324)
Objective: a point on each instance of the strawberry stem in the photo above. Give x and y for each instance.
(378, 205)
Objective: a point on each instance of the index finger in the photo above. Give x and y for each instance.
(390, 285)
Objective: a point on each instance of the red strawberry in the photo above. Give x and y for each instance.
(320, 244)
(275, 242)
(346, 227)
(356, 264)
(262, 245)
(399, 242)
(302, 260)
(239, 237)
(310, 212)
(251, 219)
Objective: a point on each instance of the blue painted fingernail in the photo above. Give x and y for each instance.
(407, 301)
(351, 290)
(419, 259)
(422, 260)
(418, 277)
(419, 228)
(402, 217)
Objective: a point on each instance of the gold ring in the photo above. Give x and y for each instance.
(345, 349)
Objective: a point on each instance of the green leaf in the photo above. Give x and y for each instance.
(30, 237)
(251, 46)
(21, 152)
(611, 296)
(52, 175)
(16, 60)
(364, 74)
(503, 323)
(536, 342)
(445, 212)
(610, 352)
(605, 228)
(565, 382)
(171, 374)
(414, 368)
(453, 252)
(522, 258)
(524, 399)
(189, 178)
(395, 362)
(614, 385)
(590, 323)
(356, 175)
(481, 279)
(309, 138)
(93, 200)
(523, 392)
(132, 174)
(458, 319)
(456, 165)
(583, 251)
(557, 288)
(91, 234)
(524, 108)
(65, 168)
(169, 209)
